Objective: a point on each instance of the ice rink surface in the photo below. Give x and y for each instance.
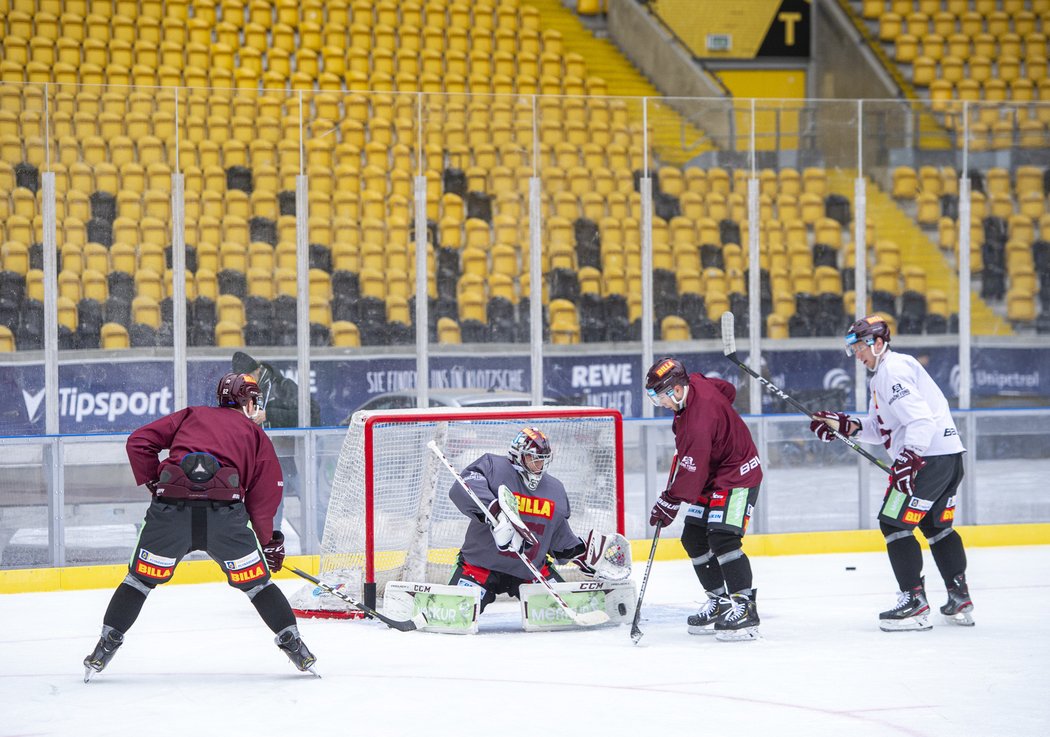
(200, 661)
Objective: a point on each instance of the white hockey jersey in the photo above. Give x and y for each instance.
(908, 410)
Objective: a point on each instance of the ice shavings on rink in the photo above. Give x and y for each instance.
(199, 660)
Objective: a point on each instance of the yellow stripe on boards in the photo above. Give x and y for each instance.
(30, 580)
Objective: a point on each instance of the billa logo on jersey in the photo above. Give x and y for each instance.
(948, 515)
(535, 506)
(249, 575)
(145, 569)
(913, 517)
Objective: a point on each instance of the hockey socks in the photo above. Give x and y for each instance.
(126, 603)
(273, 607)
(694, 540)
(905, 556)
(948, 552)
(734, 564)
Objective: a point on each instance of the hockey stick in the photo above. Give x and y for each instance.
(636, 631)
(729, 348)
(406, 625)
(584, 619)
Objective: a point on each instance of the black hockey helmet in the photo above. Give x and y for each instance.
(664, 376)
(530, 444)
(235, 390)
(867, 329)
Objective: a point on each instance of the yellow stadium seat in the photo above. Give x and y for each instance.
(905, 183)
(674, 327)
(114, 336)
(1020, 305)
(345, 334)
(228, 334)
(448, 331)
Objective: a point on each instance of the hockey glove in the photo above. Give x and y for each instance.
(273, 551)
(607, 557)
(827, 423)
(906, 465)
(152, 486)
(665, 510)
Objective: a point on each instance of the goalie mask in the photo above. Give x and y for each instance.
(530, 454)
(236, 390)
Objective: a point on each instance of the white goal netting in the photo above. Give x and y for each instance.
(390, 517)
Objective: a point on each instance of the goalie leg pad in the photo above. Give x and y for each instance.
(448, 608)
(540, 613)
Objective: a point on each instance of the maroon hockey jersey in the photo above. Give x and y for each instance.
(228, 435)
(715, 449)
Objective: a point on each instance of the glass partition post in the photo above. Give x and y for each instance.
(645, 185)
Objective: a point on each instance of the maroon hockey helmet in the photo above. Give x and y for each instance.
(664, 376)
(530, 445)
(867, 329)
(235, 390)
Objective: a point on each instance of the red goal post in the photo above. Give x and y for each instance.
(389, 517)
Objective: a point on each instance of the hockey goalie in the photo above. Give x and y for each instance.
(517, 510)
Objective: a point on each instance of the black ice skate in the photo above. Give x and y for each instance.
(959, 606)
(703, 622)
(296, 650)
(103, 653)
(740, 622)
(911, 612)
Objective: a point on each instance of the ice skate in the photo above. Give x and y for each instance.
(703, 622)
(103, 653)
(959, 607)
(296, 650)
(741, 620)
(911, 612)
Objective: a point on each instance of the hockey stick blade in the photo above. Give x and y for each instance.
(729, 348)
(584, 619)
(406, 625)
(636, 631)
(728, 333)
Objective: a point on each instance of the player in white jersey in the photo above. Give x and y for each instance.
(908, 414)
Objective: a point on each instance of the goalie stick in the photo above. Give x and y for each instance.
(403, 625)
(636, 631)
(729, 348)
(584, 619)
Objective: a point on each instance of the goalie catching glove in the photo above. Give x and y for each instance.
(606, 557)
(509, 533)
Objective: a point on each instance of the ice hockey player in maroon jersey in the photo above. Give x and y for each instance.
(488, 557)
(909, 415)
(717, 478)
(216, 491)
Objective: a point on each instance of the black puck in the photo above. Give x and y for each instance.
(851, 568)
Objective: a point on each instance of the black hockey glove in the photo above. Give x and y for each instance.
(843, 424)
(152, 486)
(273, 551)
(665, 510)
(906, 465)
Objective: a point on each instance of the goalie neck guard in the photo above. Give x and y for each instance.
(530, 454)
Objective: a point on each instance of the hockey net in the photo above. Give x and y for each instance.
(390, 517)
